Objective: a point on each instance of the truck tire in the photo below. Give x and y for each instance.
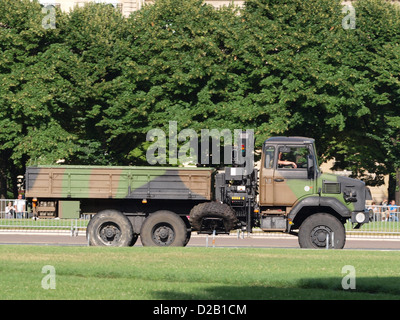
(110, 228)
(188, 230)
(164, 228)
(313, 232)
(213, 210)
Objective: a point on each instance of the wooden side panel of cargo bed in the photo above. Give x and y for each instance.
(39, 182)
(64, 182)
(199, 182)
(118, 182)
(172, 184)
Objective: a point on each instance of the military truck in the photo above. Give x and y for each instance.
(164, 205)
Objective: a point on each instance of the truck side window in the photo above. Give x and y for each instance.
(269, 157)
(293, 157)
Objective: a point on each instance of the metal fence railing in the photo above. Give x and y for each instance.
(385, 213)
(384, 222)
(8, 209)
(72, 226)
(24, 221)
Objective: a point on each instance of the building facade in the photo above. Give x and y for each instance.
(129, 6)
(126, 6)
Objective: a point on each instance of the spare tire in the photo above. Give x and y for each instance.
(213, 210)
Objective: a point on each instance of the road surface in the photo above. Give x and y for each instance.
(253, 241)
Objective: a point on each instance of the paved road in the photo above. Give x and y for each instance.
(254, 241)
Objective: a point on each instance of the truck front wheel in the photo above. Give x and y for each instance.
(319, 228)
(164, 228)
(110, 228)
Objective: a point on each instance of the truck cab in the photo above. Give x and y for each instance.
(290, 194)
(294, 194)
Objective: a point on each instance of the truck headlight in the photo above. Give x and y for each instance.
(360, 217)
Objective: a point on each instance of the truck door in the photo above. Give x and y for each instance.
(291, 179)
(267, 176)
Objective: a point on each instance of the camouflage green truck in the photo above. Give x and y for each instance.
(164, 205)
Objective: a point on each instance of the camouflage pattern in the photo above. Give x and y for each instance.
(287, 186)
(291, 191)
(96, 182)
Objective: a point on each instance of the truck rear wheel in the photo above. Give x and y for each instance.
(212, 210)
(110, 228)
(164, 228)
(315, 230)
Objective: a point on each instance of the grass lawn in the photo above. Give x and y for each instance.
(196, 273)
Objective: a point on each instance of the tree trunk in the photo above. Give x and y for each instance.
(3, 184)
(3, 176)
(392, 187)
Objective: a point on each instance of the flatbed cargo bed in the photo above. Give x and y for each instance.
(105, 182)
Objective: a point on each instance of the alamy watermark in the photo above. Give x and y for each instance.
(349, 280)
(49, 20)
(49, 280)
(238, 147)
(349, 21)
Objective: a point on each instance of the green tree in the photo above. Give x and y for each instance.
(87, 65)
(27, 129)
(368, 141)
(89, 90)
(340, 86)
(178, 68)
(55, 84)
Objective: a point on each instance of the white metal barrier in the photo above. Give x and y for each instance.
(8, 209)
(384, 222)
(12, 220)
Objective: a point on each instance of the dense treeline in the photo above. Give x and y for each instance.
(89, 90)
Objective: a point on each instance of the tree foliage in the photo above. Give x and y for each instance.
(89, 90)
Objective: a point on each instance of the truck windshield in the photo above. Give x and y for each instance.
(315, 158)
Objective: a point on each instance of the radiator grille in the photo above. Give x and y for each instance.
(331, 187)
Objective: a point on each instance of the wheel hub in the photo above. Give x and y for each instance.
(110, 234)
(319, 235)
(163, 235)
